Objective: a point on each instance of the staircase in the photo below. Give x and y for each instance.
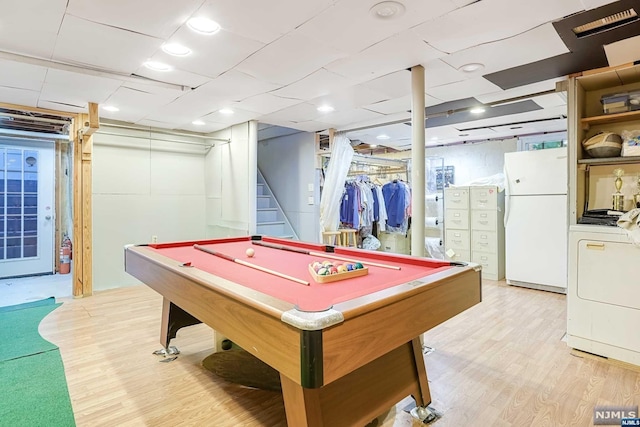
(270, 219)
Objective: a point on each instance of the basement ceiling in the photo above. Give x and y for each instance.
(278, 61)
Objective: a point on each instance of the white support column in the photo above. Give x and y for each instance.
(252, 167)
(417, 160)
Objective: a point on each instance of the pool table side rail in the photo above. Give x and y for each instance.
(371, 334)
(251, 324)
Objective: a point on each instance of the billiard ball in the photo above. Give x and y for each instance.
(250, 252)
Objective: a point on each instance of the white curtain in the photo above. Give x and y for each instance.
(341, 156)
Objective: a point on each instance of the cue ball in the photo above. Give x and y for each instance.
(250, 252)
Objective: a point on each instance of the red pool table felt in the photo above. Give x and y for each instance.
(315, 296)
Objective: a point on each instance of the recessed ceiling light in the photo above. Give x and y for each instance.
(387, 10)
(383, 136)
(176, 49)
(477, 110)
(110, 108)
(226, 111)
(203, 25)
(470, 68)
(515, 127)
(158, 66)
(325, 108)
(373, 145)
(434, 138)
(464, 134)
(198, 122)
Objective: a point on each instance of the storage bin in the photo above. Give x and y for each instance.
(615, 103)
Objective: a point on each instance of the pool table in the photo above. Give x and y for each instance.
(346, 350)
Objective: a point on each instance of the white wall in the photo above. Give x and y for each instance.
(230, 182)
(470, 161)
(288, 166)
(142, 187)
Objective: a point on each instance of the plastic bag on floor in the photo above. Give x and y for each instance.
(371, 243)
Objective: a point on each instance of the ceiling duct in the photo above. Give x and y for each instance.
(607, 23)
(17, 121)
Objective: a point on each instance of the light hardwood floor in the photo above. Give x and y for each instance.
(500, 363)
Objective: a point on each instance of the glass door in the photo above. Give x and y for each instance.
(26, 208)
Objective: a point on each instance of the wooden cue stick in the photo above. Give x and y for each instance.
(321, 254)
(248, 264)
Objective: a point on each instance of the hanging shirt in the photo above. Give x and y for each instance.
(395, 200)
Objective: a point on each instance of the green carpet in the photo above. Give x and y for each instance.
(19, 329)
(34, 385)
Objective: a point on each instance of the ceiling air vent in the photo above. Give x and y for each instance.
(606, 23)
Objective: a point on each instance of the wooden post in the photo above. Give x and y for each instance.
(77, 207)
(83, 128)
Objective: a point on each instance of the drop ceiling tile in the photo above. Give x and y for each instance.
(210, 55)
(186, 108)
(347, 117)
(537, 44)
(399, 105)
(318, 83)
(264, 21)
(156, 18)
(484, 22)
(87, 43)
(21, 76)
(60, 107)
(31, 27)
(312, 126)
(16, 96)
(464, 89)
(297, 113)
(438, 73)
(75, 88)
(500, 95)
(175, 76)
(351, 97)
(394, 85)
(395, 132)
(126, 96)
(238, 116)
(398, 52)
(592, 4)
(623, 51)
(288, 59)
(349, 26)
(236, 86)
(550, 100)
(265, 103)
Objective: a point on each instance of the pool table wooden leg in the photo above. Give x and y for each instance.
(302, 405)
(425, 398)
(173, 318)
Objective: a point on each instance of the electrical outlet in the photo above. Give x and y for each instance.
(310, 200)
(154, 239)
(310, 187)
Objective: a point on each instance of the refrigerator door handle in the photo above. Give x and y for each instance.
(507, 196)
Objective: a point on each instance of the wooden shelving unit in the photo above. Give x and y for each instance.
(587, 122)
(610, 160)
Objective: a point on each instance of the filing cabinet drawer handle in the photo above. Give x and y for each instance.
(596, 246)
(483, 222)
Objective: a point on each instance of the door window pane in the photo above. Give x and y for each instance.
(14, 182)
(1, 249)
(14, 204)
(14, 248)
(30, 225)
(30, 247)
(30, 204)
(14, 226)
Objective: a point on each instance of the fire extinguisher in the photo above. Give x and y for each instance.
(65, 256)
(66, 241)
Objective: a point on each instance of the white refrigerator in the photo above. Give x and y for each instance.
(536, 219)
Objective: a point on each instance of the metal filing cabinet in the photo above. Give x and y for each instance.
(474, 228)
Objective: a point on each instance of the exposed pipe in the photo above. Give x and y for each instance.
(417, 160)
